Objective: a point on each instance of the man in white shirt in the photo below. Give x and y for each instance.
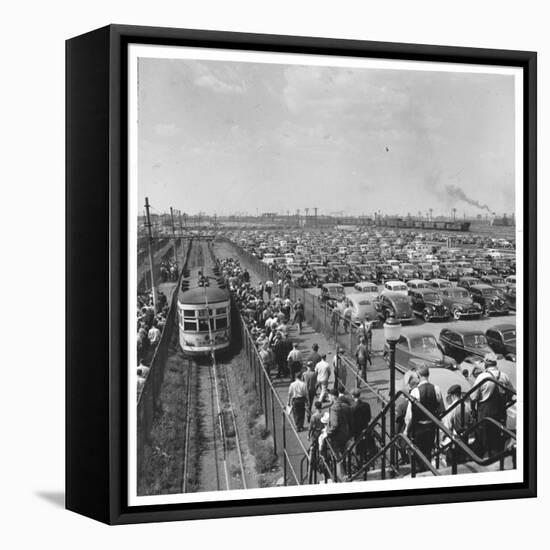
(294, 360)
(297, 397)
(323, 374)
(154, 335)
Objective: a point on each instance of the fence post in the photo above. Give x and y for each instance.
(284, 448)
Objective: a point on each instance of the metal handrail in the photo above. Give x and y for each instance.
(436, 421)
(409, 444)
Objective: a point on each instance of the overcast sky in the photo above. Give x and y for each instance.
(231, 137)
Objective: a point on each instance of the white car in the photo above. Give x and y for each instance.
(366, 287)
(396, 286)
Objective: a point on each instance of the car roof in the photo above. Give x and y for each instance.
(463, 331)
(439, 280)
(424, 291)
(332, 285)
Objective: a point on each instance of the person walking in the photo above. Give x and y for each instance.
(361, 358)
(323, 374)
(348, 312)
(418, 425)
(268, 288)
(281, 349)
(339, 429)
(310, 379)
(314, 356)
(297, 396)
(299, 315)
(457, 421)
(294, 361)
(335, 319)
(490, 400)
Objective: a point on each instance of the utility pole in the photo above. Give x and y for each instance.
(298, 217)
(148, 224)
(182, 240)
(174, 238)
(316, 221)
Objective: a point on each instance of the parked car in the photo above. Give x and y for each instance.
(366, 286)
(489, 299)
(423, 346)
(467, 282)
(384, 272)
(462, 343)
(396, 286)
(448, 270)
(413, 350)
(363, 306)
(460, 303)
(413, 284)
(428, 304)
(502, 339)
(395, 304)
(495, 281)
(332, 293)
(440, 284)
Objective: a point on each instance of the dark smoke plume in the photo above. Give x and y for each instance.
(457, 193)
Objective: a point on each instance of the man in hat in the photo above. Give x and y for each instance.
(493, 391)
(323, 374)
(339, 427)
(419, 425)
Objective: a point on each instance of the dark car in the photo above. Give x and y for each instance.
(460, 303)
(331, 293)
(462, 343)
(490, 299)
(384, 272)
(482, 267)
(429, 304)
(467, 282)
(366, 272)
(407, 271)
(425, 270)
(495, 281)
(502, 339)
(395, 304)
(422, 346)
(448, 270)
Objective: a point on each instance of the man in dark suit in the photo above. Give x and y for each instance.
(361, 417)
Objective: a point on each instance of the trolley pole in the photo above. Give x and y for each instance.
(174, 239)
(151, 264)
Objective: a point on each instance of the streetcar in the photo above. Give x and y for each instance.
(204, 313)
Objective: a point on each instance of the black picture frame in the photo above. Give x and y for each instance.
(96, 272)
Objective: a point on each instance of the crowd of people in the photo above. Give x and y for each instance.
(150, 325)
(333, 415)
(169, 271)
(340, 422)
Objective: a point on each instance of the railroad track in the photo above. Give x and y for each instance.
(216, 451)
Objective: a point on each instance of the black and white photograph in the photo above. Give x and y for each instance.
(326, 275)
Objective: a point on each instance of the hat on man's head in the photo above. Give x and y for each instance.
(455, 389)
(356, 392)
(490, 359)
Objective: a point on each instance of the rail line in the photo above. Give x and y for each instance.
(217, 450)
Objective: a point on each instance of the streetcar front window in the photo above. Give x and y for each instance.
(190, 326)
(221, 323)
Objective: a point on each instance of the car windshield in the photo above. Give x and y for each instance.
(431, 297)
(475, 341)
(337, 291)
(509, 335)
(423, 343)
(443, 284)
(498, 281)
(400, 299)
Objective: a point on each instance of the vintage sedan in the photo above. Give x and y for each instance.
(331, 294)
(366, 286)
(462, 343)
(467, 282)
(407, 271)
(394, 304)
(428, 304)
(460, 303)
(421, 346)
(396, 286)
(384, 272)
(495, 281)
(502, 339)
(489, 299)
(449, 271)
(440, 284)
(414, 284)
